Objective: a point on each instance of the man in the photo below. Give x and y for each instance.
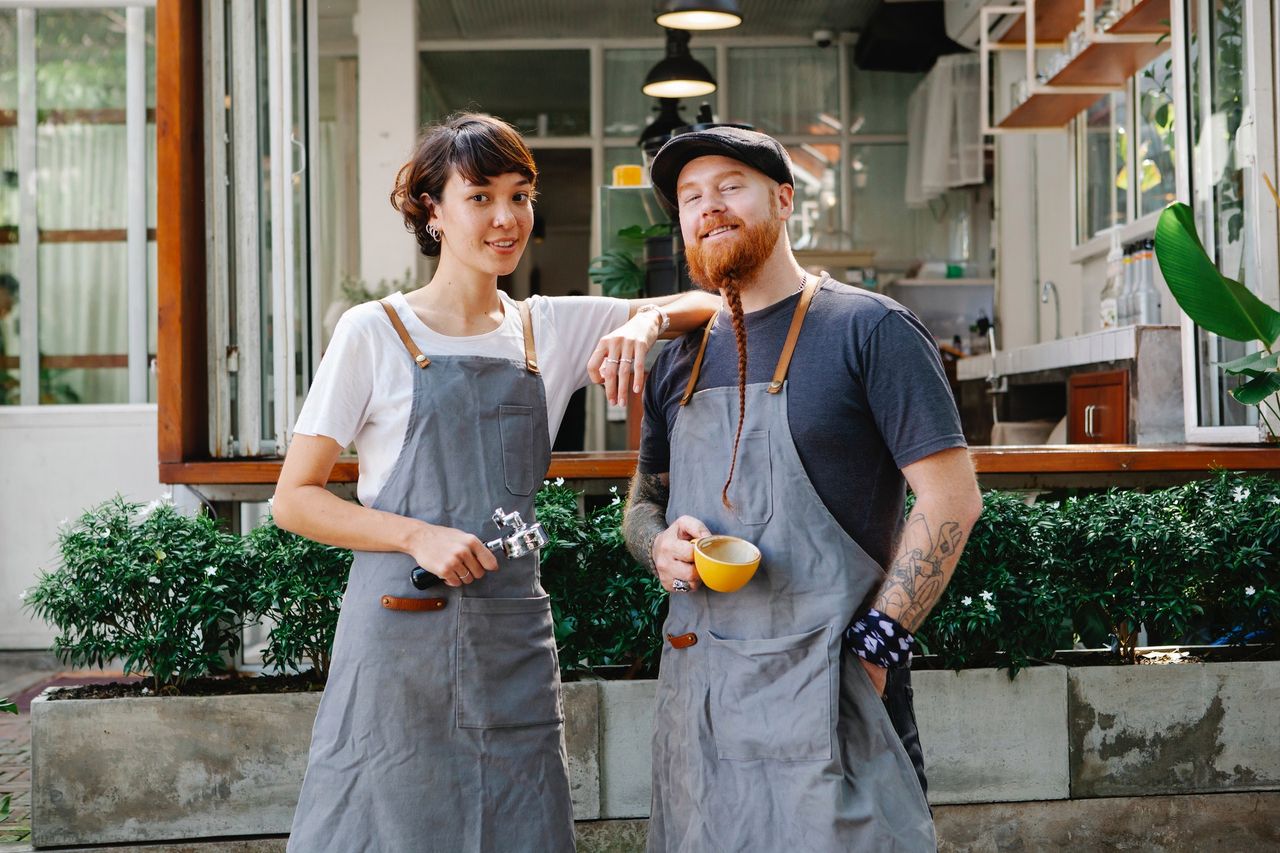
(794, 422)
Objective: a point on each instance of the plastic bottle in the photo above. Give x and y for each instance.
(1148, 297)
(1124, 302)
(1109, 304)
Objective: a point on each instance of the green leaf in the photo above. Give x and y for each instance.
(1257, 389)
(1258, 361)
(1216, 303)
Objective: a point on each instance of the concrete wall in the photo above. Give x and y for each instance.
(58, 461)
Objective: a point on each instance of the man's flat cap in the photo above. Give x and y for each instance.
(757, 150)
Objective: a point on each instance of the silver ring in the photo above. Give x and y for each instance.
(612, 360)
(679, 585)
(627, 360)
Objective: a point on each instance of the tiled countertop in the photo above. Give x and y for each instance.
(1093, 348)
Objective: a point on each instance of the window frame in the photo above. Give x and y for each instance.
(136, 237)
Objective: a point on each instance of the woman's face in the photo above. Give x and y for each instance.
(486, 225)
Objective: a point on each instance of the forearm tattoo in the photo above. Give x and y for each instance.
(920, 571)
(645, 516)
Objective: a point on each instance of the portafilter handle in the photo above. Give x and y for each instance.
(524, 539)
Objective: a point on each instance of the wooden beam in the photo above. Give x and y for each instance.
(1118, 459)
(181, 359)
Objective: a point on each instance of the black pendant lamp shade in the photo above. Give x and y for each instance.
(678, 75)
(697, 14)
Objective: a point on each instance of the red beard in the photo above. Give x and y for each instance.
(727, 261)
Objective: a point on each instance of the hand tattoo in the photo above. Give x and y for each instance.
(921, 571)
(645, 516)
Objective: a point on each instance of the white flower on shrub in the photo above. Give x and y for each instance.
(1248, 590)
(986, 596)
(163, 500)
(1273, 499)
(559, 481)
(153, 579)
(1239, 493)
(990, 607)
(22, 596)
(967, 600)
(616, 500)
(210, 570)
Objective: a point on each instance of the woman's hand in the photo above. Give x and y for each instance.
(451, 555)
(618, 360)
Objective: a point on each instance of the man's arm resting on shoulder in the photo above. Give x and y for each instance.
(948, 504)
(666, 551)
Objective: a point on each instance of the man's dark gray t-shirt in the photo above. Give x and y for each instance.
(866, 396)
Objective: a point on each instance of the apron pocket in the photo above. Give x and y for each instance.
(751, 491)
(516, 424)
(771, 698)
(507, 670)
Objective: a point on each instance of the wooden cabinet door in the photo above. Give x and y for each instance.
(1098, 408)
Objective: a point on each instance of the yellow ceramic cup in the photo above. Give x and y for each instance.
(725, 563)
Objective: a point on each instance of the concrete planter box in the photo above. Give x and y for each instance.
(136, 770)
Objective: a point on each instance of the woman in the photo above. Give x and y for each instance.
(441, 725)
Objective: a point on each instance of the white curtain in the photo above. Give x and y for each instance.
(944, 131)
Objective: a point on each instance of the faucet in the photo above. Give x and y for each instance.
(1045, 289)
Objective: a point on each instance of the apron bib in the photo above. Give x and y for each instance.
(441, 726)
(766, 736)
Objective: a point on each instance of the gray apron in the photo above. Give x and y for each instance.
(766, 737)
(441, 726)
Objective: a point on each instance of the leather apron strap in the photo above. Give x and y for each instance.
(418, 358)
(793, 334)
(530, 351)
(788, 347)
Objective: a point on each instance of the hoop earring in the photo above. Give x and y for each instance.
(434, 232)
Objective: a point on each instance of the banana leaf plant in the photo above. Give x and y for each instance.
(1223, 306)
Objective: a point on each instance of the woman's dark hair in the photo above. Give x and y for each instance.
(477, 147)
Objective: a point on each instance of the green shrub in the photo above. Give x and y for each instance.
(297, 584)
(608, 609)
(148, 585)
(1003, 596)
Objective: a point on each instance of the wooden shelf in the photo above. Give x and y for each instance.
(1149, 17)
(1107, 64)
(1101, 64)
(1046, 111)
(944, 282)
(1055, 19)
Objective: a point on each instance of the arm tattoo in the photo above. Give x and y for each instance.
(645, 516)
(921, 570)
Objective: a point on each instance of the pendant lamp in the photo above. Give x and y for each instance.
(678, 75)
(698, 14)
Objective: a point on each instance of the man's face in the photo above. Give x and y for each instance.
(731, 217)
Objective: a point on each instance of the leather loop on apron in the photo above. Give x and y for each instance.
(414, 605)
(682, 641)
(530, 352)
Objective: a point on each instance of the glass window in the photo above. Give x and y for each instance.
(627, 110)
(1101, 170)
(541, 92)
(785, 90)
(1218, 96)
(1157, 186)
(881, 221)
(82, 192)
(816, 221)
(879, 100)
(9, 382)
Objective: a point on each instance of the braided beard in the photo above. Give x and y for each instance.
(721, 267)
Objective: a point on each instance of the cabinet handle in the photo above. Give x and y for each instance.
(1088, 421)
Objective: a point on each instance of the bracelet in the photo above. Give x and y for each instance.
(880, 640)
(665, 319)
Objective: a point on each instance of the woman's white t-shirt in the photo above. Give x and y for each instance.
(363, 389)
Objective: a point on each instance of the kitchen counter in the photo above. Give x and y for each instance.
(1122, 344)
